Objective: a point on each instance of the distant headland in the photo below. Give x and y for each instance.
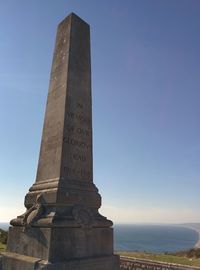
(195, 227)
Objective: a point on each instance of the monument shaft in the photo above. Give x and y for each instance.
(62, 228)
(66, 148)
(65, 162)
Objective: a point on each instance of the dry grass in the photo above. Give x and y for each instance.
(2, 247)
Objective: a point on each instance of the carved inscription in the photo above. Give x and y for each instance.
(75, 116)
(77, 136)
(77, 130)
(78, 157)
(72, 171)
(76, 142)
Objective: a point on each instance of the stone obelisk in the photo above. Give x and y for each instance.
(62, 228)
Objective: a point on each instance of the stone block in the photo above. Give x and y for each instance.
(13, 261)
(60, 244)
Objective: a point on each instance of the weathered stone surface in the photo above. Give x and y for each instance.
(19, 262)
(61, 244)
(14, 261)
(139, 264)
(66, 149)
(62, 228)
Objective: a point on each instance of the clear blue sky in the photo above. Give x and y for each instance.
(146, 103)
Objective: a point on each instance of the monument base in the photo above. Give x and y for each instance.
(59, 249)
(14, 261)
(60, 244)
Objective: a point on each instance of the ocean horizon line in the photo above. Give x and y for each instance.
(143, 223)
(152, 237)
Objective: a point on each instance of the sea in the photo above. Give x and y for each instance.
(154, 238)
(150, 238)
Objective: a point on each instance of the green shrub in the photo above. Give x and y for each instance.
(3, 236)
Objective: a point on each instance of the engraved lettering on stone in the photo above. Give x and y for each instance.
(75, 116)
(76, 142)
(78, 157)
(79, 105)
(77, 130)
(69, 129)
(82, 131)
(71, 171)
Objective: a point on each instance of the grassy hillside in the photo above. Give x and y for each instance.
(3, 239)
(191, 257)
(192, 253)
